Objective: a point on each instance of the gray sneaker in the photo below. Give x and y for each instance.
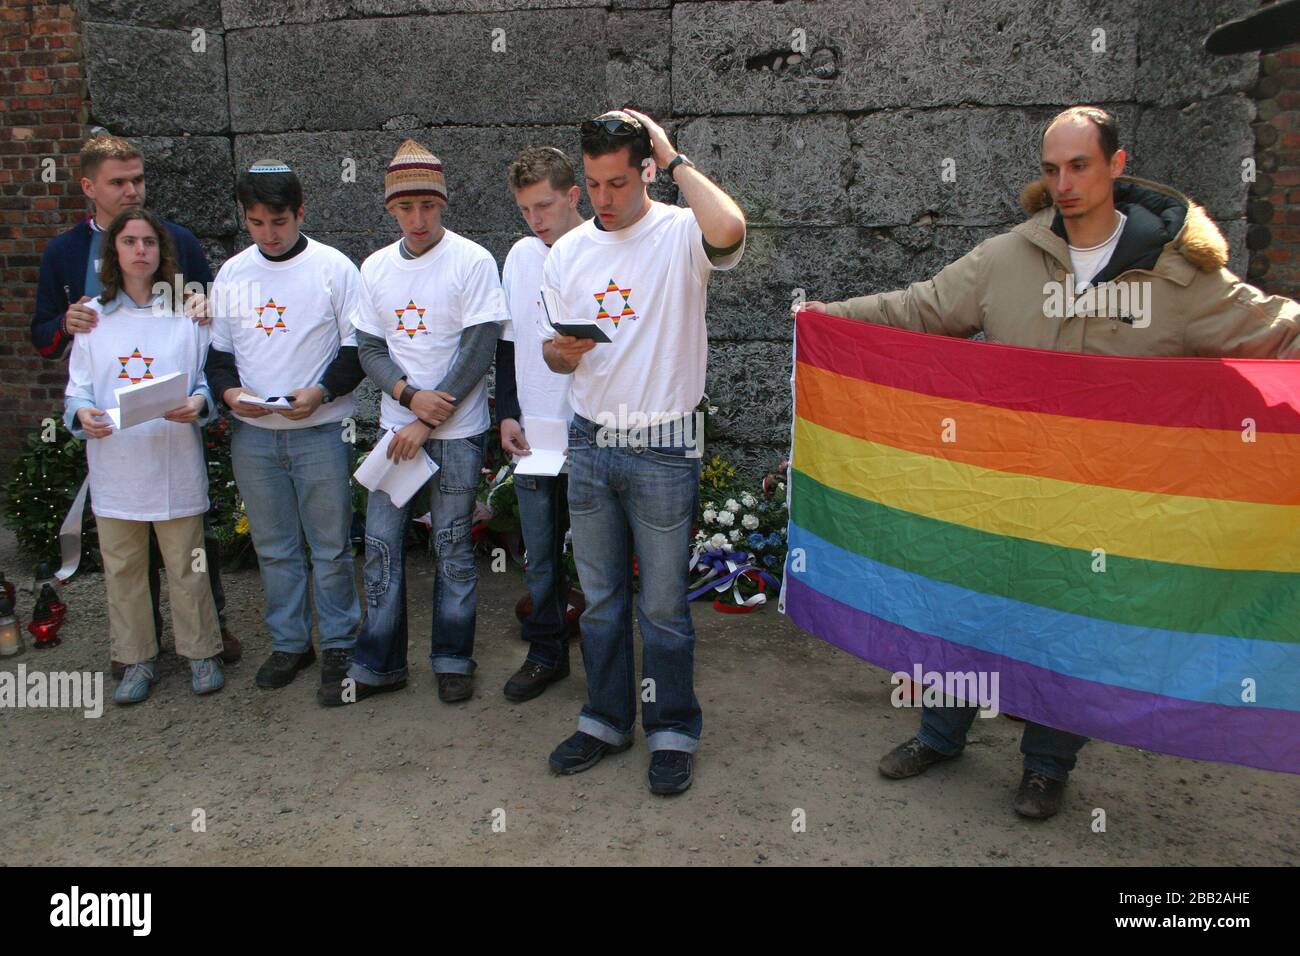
(206, 676)
(137, 682)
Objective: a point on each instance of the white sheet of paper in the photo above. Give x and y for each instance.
(150, 399)
(399, 480)
(247, 399)
(548, 438)
(543, 461)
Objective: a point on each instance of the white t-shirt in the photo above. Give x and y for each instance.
(153, 471)
(285, 322)
(542, 393)
(420, 307)
(651, 279)
(1087, 261)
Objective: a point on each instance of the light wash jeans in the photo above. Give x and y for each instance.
(296, 488)
(624, 500)
(381, 650)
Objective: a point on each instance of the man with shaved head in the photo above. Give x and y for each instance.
(1106, 264)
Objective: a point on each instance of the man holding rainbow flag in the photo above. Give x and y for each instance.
(957, 505)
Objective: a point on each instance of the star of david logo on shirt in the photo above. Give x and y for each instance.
(610, 307)
(416, 316)
(268, 312)
(135, 362)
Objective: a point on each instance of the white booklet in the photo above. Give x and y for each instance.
(548, 438)
(150, 399)
(400, 480)
(274, 402)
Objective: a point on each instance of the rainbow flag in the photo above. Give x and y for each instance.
(1117, 539)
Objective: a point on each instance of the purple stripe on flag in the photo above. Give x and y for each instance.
(1252, 735)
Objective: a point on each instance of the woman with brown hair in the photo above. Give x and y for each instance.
(151, 473)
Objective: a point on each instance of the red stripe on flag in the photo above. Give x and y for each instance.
(1179, 392)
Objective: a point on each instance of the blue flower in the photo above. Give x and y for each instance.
(774, 540)
(756, 540)
(771, 561)
(763, 506)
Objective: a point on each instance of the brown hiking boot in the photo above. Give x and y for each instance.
(910, 759)
(1039, 797)
(231, 649)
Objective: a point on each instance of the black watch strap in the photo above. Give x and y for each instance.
(681, 159)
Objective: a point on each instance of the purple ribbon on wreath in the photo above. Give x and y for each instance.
(721, 567)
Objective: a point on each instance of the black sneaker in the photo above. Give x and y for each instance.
(582, 752)
(533, 678)
(911, 758)
(282, 667)
(1039, 797)
(334, 664)
(671, 771)
(352, 692)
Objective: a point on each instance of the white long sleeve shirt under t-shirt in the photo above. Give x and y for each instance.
(153, 471)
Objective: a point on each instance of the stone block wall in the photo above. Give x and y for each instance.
(831, 122)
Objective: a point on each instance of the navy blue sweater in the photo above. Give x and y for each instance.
(63, 280)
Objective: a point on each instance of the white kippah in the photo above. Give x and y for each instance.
(269, 166)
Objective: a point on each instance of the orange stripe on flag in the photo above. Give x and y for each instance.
(1198, 462)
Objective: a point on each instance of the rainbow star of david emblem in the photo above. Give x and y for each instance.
(270, 311)
(129, 366)
(417, 316)
(614, 310)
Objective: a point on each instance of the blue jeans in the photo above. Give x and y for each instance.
(381, 650)
(296, 488)
(624, 500)
(1047, 750)
(544, 517)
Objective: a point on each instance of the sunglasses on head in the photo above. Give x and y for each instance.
(613, 125)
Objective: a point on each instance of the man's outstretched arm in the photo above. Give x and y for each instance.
(948, 304)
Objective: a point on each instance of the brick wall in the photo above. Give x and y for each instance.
(42, 99)
(1274, 210)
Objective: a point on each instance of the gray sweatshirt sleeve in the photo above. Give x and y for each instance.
(378, 364)
(478, 347)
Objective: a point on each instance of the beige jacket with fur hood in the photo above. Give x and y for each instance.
(1165, 291)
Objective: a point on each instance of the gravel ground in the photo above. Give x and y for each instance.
(790, 723)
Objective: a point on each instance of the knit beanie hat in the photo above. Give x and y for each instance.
(414, 171)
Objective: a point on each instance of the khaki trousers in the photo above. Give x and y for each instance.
(124, 548)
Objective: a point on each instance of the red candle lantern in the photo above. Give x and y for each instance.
(48, 615)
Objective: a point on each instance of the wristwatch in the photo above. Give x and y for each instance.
(680, 159)
(326, 395)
